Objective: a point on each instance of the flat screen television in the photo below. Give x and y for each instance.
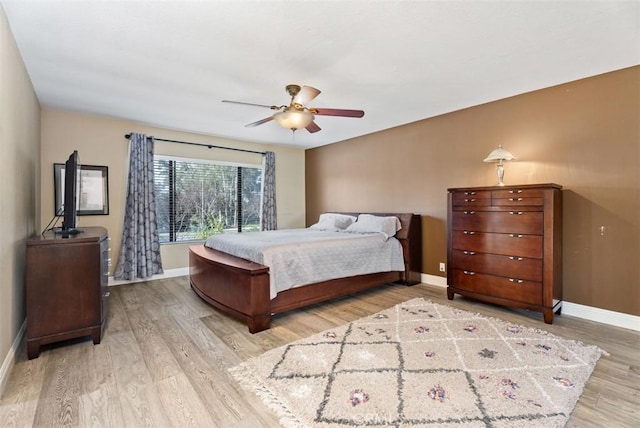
(72, 184)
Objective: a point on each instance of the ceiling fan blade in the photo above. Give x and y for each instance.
(251, 104)
(313, 127)
(337, 112)
(260, 122)
(306, 95)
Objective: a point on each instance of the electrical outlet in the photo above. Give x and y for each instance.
(442, 267)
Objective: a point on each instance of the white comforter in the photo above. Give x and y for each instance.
(298, 257)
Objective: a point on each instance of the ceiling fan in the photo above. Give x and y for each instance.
(296, 115)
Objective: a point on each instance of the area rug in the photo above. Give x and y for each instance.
(422, 364)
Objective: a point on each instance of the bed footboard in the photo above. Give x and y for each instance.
(234, 285)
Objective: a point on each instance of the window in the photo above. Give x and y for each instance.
(197, 198)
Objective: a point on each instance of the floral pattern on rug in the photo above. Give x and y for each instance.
(421, 364)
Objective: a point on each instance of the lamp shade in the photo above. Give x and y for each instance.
(293, 119)
(499, 154)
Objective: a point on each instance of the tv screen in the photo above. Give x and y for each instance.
(71, 194)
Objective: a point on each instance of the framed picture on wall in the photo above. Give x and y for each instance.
(94, 189)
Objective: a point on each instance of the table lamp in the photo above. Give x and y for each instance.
(500, 155)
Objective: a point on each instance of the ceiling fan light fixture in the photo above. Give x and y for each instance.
(297, 114)
(293, 120)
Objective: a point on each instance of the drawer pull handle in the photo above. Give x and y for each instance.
(516, 212)
(515, 192)
(515, 199)
(470, 212)
(469, 232)
(516, 235)
(517, 259)
(470, 200)
(467, 272)
(470, 253)
(107, 294)
(469, 193)
(516, 281)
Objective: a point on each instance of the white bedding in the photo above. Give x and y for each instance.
(298, 257)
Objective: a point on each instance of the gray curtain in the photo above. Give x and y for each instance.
(140, 250)
(269, 221)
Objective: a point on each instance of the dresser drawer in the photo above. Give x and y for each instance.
(518, 202)
(517, 197)
(517, 193)
(507, 266)
(471, 198)
(507, 244)
(104, 279)
(514, 221)
(516, 289)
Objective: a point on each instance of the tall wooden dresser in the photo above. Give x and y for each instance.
(505, 246)
(66, 281)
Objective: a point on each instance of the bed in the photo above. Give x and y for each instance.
(241, 287)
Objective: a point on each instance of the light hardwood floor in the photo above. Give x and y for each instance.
(164, 357)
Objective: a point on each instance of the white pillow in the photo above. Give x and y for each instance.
(333, 222)
(368, 223)
(342, 221)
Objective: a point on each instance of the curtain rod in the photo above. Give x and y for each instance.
(209, 146)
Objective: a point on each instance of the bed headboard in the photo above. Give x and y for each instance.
(410, 237)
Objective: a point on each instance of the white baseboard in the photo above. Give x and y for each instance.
(440, 281)
(10, 360)
(169, 273)
(618, 319)
(604, 316)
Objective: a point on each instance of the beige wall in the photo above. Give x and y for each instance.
(19, 174)
(583, 135)
(100, 141)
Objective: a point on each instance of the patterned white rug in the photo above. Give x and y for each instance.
(421, 364)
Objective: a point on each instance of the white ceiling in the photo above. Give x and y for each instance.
(170, 63)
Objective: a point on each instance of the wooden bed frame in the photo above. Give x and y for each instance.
(241, 288)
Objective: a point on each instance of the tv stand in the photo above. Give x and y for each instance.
(65, 233)
(66, 288)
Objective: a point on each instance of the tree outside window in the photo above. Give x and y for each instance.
(196, 199)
